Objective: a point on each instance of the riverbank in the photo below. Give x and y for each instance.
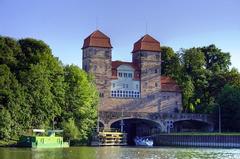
(13, 143)
(9, 143)
(224, 140)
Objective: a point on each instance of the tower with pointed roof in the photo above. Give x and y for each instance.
(97, 59)
(146, 54)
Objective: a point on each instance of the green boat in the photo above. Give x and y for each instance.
(39, 139)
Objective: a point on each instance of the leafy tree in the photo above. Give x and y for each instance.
(232, 77)
(35, 89)
(41, 74)
(70, 129)
(188, 92)
(9, 48)
(81, 100)
(207, 68)
(5, 124)
(216, 60)
(12, 98)
(229, 101)
(170, 62)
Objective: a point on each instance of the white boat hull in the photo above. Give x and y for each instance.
(143, 142)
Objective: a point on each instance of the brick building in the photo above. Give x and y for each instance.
(135, 86)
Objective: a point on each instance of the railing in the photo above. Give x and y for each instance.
(101, 129)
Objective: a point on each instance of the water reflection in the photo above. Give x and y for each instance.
(119, 153)
(166, 153)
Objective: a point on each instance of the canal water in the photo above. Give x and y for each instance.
(119, 153)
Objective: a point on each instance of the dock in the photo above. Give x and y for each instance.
(110, 137)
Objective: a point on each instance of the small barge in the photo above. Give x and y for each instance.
(39, 139)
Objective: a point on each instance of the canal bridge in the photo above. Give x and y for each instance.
(164, 122)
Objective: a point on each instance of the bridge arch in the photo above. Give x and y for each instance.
(136, 127)
(192, 125)
(101, 123)
(132, 118)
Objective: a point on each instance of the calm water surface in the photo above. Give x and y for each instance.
(119, 153)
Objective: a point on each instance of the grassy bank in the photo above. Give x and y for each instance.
(4, 143)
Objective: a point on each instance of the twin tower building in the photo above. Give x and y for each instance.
(136, 86)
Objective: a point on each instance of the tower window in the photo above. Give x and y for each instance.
(120, 74)
(107, 54)
(130, 75)
(113, 85)
(156, 70)
(125, 74)
(85, 67)
(95, 67)
(101, 94)
(136, 86)
(156, 85)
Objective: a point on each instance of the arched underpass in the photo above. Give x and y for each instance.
(136, 127)
(191, 126)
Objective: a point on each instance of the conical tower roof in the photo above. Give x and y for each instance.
(97, 39)
(146, 43)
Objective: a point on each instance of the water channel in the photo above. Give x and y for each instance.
(119, 153)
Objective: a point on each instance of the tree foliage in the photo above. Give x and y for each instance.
(229, 101)
(170, 62)
(37, 90)
(80, 99)
(202, 73)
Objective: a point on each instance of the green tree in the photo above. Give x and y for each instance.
(229, 101)
(9, 48)
(12, 98)
(71, 131)
(208, 69)
(5, 124)
(216, 60)
(80, 100)
(42, 76)
(170, 62)
(192, 78)
(188, 92)
(35, 89)
(232, 77)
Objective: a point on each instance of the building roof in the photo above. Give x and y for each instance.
(169, 85)
(116, 64)
(147, 43)
(97, 39)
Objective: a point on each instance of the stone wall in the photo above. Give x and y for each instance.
(222, 141)
(98, 61)
(150, 66)
(171, 102)
(154, 102)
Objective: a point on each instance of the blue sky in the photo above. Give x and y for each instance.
(63, 24)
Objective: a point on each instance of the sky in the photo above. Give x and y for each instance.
(63, 24)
